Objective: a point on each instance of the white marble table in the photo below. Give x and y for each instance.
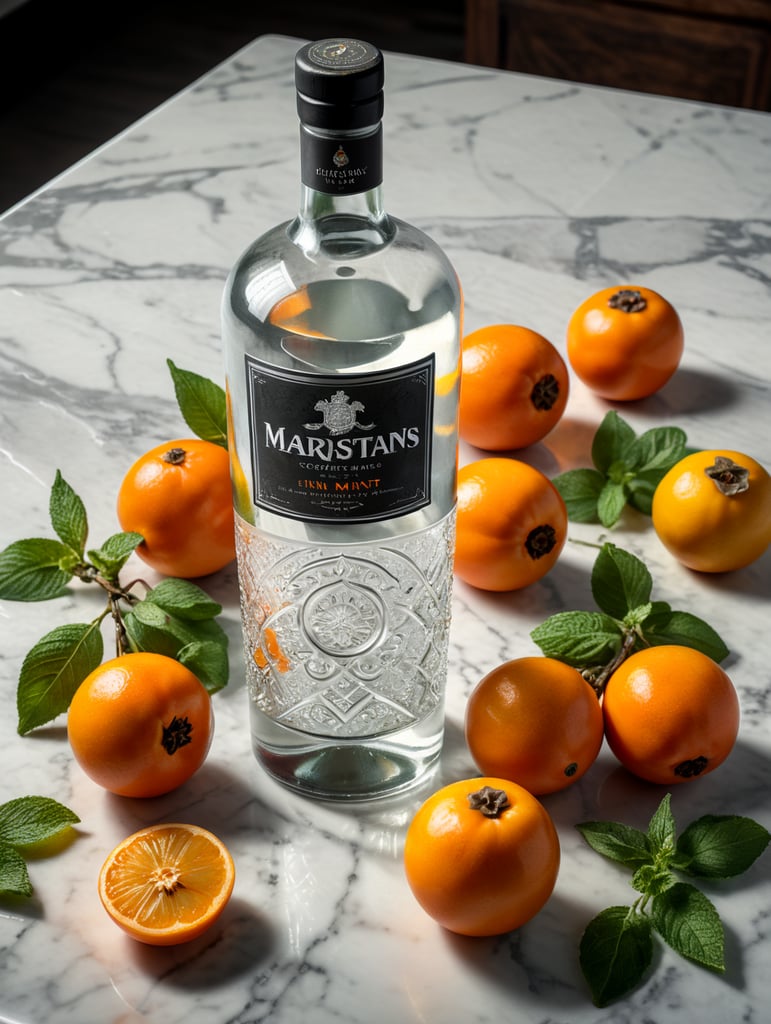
(541, 192)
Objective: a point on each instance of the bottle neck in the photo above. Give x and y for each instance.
(341, 194)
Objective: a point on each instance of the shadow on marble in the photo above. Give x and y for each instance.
(689, 391)
(238, 944)
(752, 583)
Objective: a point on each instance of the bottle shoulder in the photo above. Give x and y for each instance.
(321, 249)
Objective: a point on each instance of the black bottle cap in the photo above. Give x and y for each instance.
(339, 84)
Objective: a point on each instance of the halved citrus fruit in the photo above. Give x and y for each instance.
(167, 884)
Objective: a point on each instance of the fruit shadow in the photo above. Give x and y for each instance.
(233, 947)
(751, 582)
(540, 960)
(688, 391)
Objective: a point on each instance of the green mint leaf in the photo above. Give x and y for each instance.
(687, 630)
(184, 599)
(615, 953)
(636, 616)
(720, 846)
(580, 639)
(14, 877)
(202, 404)
(657, 449)
(68, 515)
(661, 828)
(641, 488)
(618, 842)
(30, 570)
(651, 879)
(688, 922)
(53, 670)
(33, 819)
(207, 660)
(110, 558)
(620, 581)
(611, 503)
(150, 628)
(659, 616)
(580, 490)
(611, 442)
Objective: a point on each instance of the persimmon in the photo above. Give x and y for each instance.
(671, 714)
(535, 721)
(167, 883)
(511, 524)
(178, 496)
(625, 342)
(712, 510)
(482, 856)
(514, 387)
(140, 725)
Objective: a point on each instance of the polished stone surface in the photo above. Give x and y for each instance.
(541, 193)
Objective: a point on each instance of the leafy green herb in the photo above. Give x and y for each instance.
(25, 821)
(175, 618)
(627, 470)
(616, 949)
(628, 620)
(202, 404)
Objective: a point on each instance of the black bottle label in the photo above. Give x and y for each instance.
(343, 448)
(344, 166)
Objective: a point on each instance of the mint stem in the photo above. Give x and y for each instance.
(600, 681)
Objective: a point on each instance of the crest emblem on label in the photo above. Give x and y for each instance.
(340, 159)
(365, 457)
(339, 415)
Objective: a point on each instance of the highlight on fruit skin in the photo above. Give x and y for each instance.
(141, 724)
(481, 856)
(536, 721)
(514, 387)
(167, 884)
(625, 342)
(712, 510)
(179, 497)
(511, 524)
(671, 714)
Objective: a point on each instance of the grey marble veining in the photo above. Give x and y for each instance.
(541, 192)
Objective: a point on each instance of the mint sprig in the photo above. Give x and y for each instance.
(175, 618)
(202, 404)
(24, 822)
(628, 620)
(627, 470)
(616, 949)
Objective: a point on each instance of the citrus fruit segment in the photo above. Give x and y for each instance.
(167, 884)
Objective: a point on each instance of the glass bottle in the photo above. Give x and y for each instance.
(341, 332)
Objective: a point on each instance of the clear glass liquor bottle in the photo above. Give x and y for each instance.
(341, 332)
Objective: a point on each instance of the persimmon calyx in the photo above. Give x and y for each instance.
(489, 801)
(174, 456)
(628, 300)
(728, 477)
(545, 392)
(540, 541)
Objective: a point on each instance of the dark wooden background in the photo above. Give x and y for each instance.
(74, 73)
